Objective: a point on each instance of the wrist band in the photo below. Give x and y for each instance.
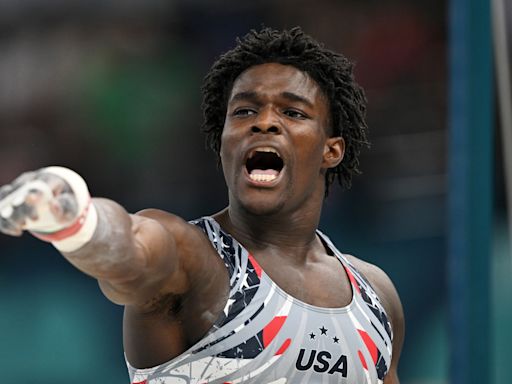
(64, 233)
(83, 234)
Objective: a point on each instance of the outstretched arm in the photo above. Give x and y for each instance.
(135, 257)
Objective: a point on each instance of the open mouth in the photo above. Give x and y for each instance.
(264, 164)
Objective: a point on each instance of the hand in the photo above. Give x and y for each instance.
(37, 201)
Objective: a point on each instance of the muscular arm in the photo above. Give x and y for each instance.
(162, 269)
(136, 258)
(140, 259)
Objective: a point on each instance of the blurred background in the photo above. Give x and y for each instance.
(112, 90)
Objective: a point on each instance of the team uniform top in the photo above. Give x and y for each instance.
(264, 335)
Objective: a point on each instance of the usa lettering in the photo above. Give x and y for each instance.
(321, 362)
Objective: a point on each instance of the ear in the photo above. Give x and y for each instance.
(334, 150)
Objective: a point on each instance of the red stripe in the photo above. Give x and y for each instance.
(363, 361)
(255, 264)
(271, 329)
(372, 348)
(352, 279)
(284, 347)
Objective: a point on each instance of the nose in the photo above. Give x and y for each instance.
(266, 122)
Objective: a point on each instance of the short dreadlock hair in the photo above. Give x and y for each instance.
(333, 72)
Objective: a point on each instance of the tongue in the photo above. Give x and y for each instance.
(264, 172)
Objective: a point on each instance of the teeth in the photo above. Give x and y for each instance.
(260, 177)
(265, 149)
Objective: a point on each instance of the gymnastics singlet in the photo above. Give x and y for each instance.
(265, 336)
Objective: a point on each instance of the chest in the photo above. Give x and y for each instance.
(323, 284)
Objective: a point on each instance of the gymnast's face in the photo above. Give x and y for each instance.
(275, 146)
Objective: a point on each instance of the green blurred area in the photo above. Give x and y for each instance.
(131, 105)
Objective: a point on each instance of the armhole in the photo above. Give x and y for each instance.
(361, 285)
(216, 237)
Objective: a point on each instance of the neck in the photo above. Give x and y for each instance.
(292, 235)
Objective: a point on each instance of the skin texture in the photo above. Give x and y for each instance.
(165, 271)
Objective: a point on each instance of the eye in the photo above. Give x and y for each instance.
(295, 114)
(243, 112)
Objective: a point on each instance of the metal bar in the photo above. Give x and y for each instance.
(503, 81)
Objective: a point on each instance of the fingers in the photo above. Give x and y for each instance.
(56, 183)
(37, 201)
(23, 211)
(64, 207)
(11, 221)
(13, 216)
(9, 228)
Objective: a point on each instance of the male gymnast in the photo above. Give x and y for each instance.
(254, 293)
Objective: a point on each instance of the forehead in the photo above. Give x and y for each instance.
(275, 78)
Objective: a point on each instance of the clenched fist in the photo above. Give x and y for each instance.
(52, 203)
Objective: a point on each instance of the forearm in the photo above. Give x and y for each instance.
(131, 256)
(111, 253)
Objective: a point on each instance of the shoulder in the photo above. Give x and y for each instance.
(194, 251)
(167, 219)
(379, 281)
(181, 229)
(382, 285)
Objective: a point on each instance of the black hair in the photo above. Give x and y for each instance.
(333, 72)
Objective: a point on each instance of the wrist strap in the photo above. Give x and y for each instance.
(83, 235)
(64, 233)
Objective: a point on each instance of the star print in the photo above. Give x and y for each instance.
(228, 307)
(335, 339)
(245, 283)
(223, 244)
(311, 335)
(323, 330)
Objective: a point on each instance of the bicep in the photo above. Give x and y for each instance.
(154, 266)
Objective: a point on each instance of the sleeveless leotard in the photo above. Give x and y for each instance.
(264, 335)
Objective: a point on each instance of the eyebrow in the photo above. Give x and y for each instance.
(297, 98)
(248, 95)
(253, 97)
